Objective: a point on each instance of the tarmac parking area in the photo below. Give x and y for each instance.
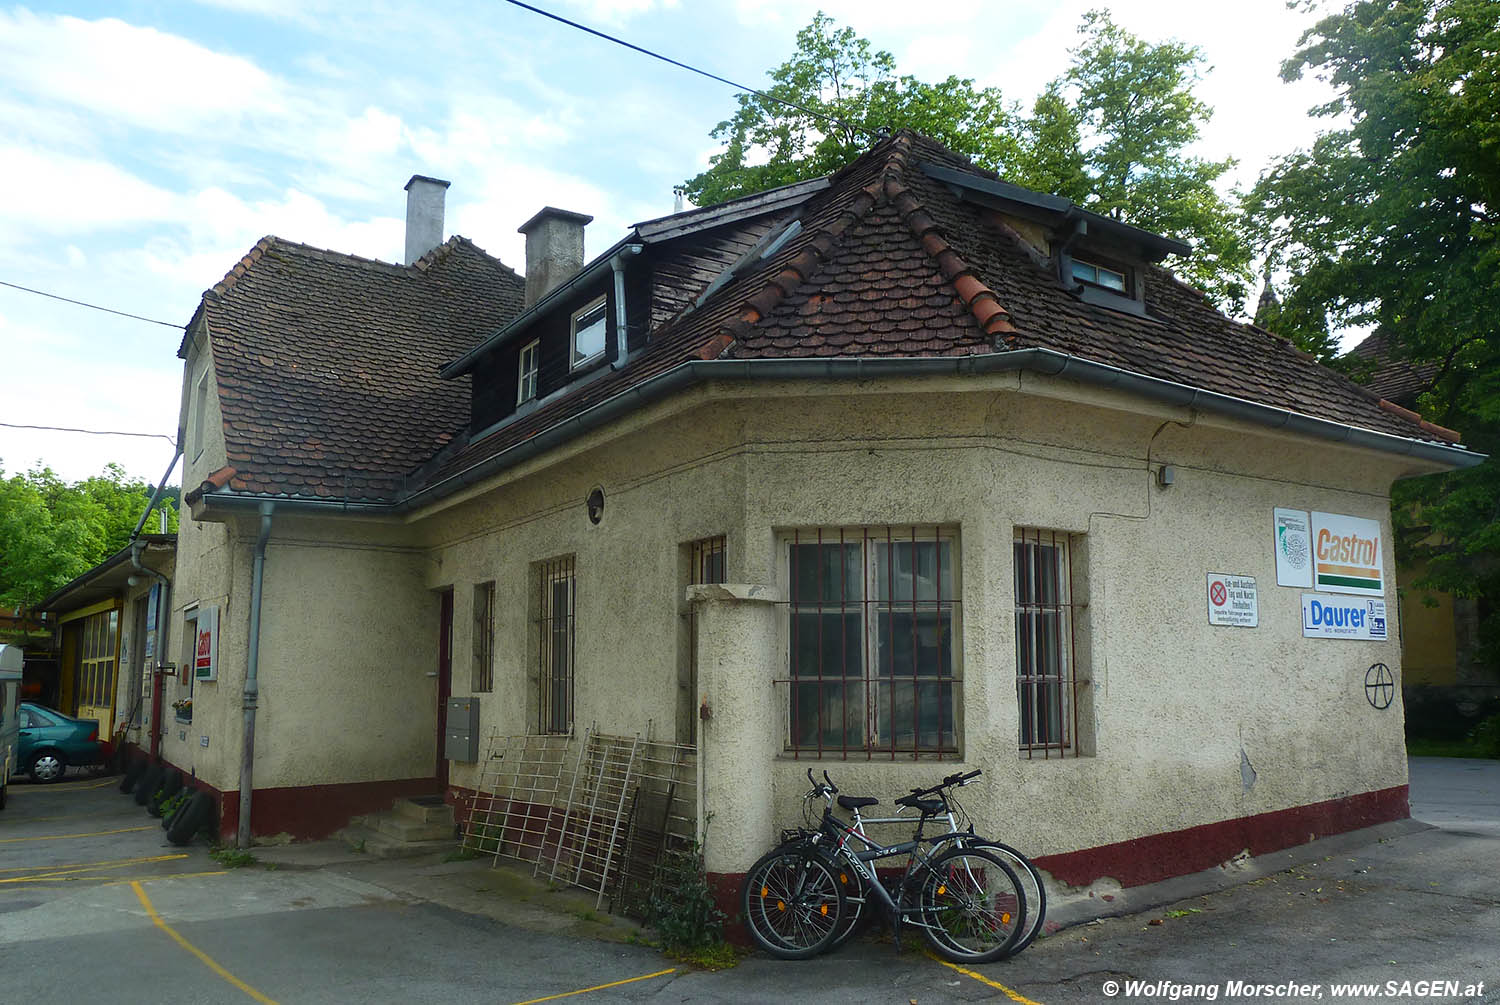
(94, 900)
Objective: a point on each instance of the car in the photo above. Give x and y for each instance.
(51, 741)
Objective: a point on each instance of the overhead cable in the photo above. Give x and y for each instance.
(693, 69)
(91, 432)
(83, 303)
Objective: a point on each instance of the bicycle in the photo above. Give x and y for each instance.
(966, 900)
(946, 806)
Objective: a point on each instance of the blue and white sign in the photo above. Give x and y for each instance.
(1329, 617)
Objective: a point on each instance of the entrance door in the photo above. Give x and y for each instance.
(444, 681)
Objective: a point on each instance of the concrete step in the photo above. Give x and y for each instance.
(369, 841)
(404, 828)
(425, 809)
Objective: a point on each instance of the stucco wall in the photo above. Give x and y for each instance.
(1173, 700)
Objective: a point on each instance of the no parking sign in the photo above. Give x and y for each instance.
(1232, 600)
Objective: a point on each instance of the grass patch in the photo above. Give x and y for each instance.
(1442, 748)
(717, 957)
(231, 858)
(464, 854)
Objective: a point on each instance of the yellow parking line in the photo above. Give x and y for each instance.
(74, 873)
(170, 875)
(64, 787)
(91, 834)
(600, 987)
(203, 957)
(1014, 996)
(92, 865)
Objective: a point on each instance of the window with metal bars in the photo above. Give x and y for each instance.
(874, 648)
(1046, 673)
(706, 559)
(557, 608)
(483, 678)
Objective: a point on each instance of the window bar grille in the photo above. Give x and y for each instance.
(1072, 652)
(1046, 677)
(708, 563)
(557, 647)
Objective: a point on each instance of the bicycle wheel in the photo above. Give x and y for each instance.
(793, 903)
(972, 906)
(1031, 885)
(854, 904)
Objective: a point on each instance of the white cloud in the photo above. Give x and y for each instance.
(62, 194)
(131, 75)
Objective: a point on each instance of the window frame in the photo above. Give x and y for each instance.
(1127, 286)
(576, 360)
(1047, 700)
(557, 689)
(881, 700)
(482, 674)
(200, 406)
(528, 377)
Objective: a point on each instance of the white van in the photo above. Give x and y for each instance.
(11, 661)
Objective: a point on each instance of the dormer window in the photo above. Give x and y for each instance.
(527, 371)
(1102, 276)
(588, 333)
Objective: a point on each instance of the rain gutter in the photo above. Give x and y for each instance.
(252, 677)
(1046, 362)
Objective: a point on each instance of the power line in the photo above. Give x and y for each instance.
(81, 303)
(91, 432)
(693, 69)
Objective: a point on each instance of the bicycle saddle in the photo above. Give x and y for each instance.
(916, 802)
(857, 802)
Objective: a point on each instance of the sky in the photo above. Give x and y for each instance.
(146, 146)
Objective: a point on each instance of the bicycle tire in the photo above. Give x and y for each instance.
(1031, 885)
(793, 903)
(972, 906)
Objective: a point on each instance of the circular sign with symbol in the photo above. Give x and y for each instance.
(1380, 686)
(1217, 593)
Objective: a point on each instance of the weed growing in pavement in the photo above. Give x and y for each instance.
(463, 854)
(681, 909)
(231, 858)
(170, 804)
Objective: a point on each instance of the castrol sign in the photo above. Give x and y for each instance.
(1346, 555)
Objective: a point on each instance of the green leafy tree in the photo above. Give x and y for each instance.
(1112, 133)
(847, 91)
(1391, 219)
(52, 532)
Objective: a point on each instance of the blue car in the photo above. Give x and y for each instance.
(51, 741)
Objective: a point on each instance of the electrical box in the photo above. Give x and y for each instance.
(461, 733)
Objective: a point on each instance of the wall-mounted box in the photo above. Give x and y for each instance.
(461, 732)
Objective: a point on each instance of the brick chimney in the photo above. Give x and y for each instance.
(554, 250)
(424, 215)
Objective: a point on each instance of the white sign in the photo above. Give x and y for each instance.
(1346, 555)
(206, 648)
(1294, 566)
(1232, 601)
(1325, 617)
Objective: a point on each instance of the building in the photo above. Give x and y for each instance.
(887, 473)
(105, 626)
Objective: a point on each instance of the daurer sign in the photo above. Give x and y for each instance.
(1346, 555)
(1325, 617)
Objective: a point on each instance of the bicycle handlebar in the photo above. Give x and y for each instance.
(957, 778)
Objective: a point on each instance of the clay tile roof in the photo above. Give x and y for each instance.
(1396, 379)
(327, 363)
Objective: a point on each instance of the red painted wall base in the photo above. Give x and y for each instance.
(307, 812)
(1177, 853)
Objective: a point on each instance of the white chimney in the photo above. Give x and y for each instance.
(424, 215)
(554, 250)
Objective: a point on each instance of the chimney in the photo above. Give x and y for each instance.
(424, 215)
(554, 250)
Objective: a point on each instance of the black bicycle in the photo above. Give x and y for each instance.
(967, 902)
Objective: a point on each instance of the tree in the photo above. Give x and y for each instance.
(847, 92)
(1135, 114)
(52, 532)
(1109, 134)
(1391, 218)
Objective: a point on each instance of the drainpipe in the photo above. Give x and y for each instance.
(618, 264)
(252, 681)
(163, 604)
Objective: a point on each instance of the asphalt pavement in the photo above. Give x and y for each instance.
(93, 901)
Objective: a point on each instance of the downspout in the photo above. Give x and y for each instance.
(252, 680)
(162, 600)
(617, 263)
